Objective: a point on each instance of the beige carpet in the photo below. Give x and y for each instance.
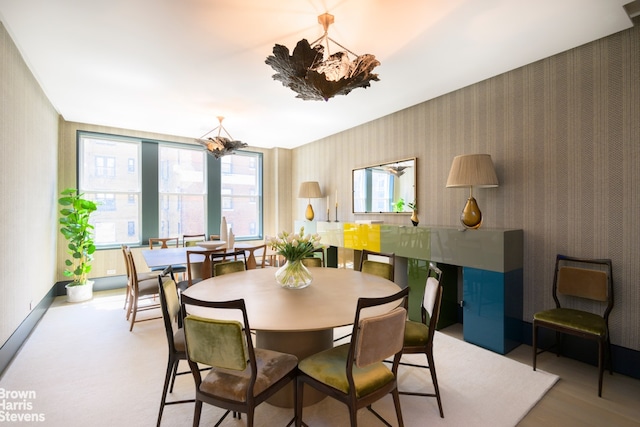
(82, 367)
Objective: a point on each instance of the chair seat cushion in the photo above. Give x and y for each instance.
(148, 287)
(578, 320)
(232, 384)
(415, 334)
(149, 275)
(178, 340)
(329, 367)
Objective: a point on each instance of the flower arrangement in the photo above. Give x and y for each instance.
(294, 246)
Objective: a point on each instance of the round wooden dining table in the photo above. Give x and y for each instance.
(296, 321)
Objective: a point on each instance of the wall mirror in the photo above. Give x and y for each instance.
(384, 188)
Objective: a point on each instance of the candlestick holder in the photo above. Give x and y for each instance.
(328, 220)
(336, 213)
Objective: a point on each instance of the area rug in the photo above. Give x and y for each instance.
(82, 366)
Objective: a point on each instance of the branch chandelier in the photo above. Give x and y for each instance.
(313, 77)
(218, 145)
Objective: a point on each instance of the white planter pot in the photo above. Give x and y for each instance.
(80, 293)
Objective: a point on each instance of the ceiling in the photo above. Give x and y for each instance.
(172, 66)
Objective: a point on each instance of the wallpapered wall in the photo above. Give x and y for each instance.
(564, 134)
(28, 179)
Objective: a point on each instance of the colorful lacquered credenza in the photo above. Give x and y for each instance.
(482, 272)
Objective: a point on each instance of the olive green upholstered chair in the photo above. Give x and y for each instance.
(143, 291)
(189, 240)
(354, 373)
(227, 267)
(379, 268)
(241, 376)
(583, 295)
(312, 262)
(418, 336)
(170, 305)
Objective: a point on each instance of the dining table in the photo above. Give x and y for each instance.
(295, 321)
(156, 258)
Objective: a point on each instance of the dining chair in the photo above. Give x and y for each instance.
(227, 267)
(583, 293)
(141, 276)
(316, 259)
(170, 305)
(418, 336)
(241, 376)
(141, 290)
(255, 253)
(354, 373)
(189, 240)
(214, 237)
(377, 267)
(165, 243)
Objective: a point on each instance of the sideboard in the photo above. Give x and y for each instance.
(487, 265)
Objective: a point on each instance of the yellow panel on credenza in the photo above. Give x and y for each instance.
(362, 236)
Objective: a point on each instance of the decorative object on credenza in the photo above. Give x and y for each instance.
(219, 145)
(472, 170)
(414, 215)
(315, 77)
(294, 247)
(309, 190)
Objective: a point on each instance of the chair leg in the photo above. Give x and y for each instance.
(298, 402)
(167, 377)
(534, 344)
(396, 403)
(600, 366)
(196, 413)
(134, 311)
(173, 375)
(434, 379)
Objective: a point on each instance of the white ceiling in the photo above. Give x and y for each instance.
(172, 66)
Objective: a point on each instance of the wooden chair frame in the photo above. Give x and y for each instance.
(547, 318)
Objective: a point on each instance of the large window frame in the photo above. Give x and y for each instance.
(146, 198)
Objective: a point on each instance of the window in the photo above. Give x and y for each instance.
(241, 195)
(104, 177)
(182, 190)
(160, 189)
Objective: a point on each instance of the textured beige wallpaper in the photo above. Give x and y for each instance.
(28, 178)
(564, 134)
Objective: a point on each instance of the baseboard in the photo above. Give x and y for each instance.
(12, 346)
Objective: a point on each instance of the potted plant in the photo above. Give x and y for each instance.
(75, 227)
(414, 216)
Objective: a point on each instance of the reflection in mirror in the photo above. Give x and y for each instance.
(388, 187)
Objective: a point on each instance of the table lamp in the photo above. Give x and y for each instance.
(309, 190)
(472, 170)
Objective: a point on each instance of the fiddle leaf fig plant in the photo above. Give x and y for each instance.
(75, 227)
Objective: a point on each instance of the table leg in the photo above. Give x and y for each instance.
(300, 344)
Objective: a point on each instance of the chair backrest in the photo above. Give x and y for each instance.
(193, 239)
(586, 279)
(170, 305)
(200, 264)
(125, 250)
(163, 242)
(256, 256)
(375, 338)
(312, 262)
(227, 267)
(377, 267)
(432, 296)
(220, 343)
(214, 237)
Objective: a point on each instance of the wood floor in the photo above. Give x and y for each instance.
(574, 401)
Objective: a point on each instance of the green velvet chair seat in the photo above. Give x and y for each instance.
(583, 321)
(231, 384)
(415, 334)
(329, 367)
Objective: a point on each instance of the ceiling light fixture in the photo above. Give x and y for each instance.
(396, 170)
(218, 145)
(316, 77)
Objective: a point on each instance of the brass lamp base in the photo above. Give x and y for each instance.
(471, 217)
(308, 214)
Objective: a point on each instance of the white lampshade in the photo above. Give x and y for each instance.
(472, 170)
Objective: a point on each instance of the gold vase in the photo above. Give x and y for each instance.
(471, 217)
(414, 218)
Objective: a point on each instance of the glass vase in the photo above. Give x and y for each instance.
(293, 275)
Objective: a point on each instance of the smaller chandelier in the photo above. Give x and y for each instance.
(218, 145)
(315, 77)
